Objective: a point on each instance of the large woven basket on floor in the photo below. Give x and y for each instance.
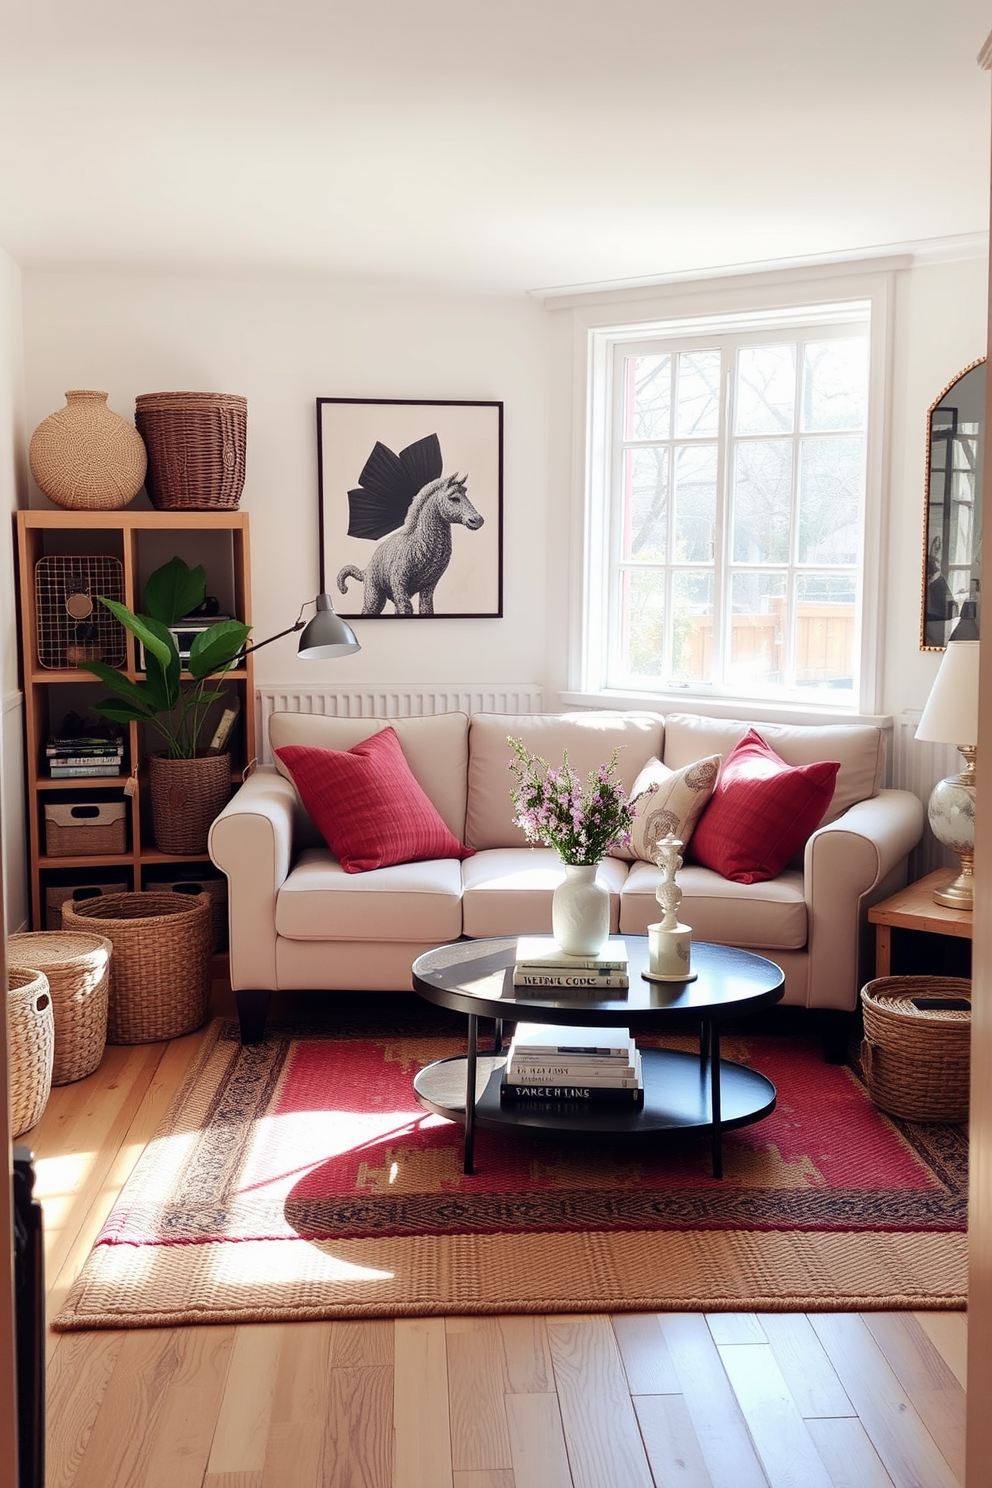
(916, 1060)
(196, 445)
(160, 967)
(30, 1043)
(77, 965)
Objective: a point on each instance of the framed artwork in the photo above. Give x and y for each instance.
(411, 502)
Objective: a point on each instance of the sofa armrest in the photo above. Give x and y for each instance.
(849, 864)
(251, 841)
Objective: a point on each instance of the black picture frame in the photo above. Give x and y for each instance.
(417, 485)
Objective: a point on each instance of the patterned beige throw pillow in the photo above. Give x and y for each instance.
(669, 802)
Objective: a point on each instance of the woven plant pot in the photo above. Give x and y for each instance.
(30, 1045)
(196, 446)
(77, 966)
(916, 1061)
(186, 795)
(86, 456)
(160, 967)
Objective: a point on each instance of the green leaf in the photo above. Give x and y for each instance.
(174, 590)
(163, 678)
(123, 712)
(160, 645)
(214, 650)
(117, 682)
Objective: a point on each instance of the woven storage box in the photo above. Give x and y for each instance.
(85, 829)
(196, 445)
(30, 1042)
(160, 968)
(916, 1061)
(55, 897)
(192, 884)
(77, 965)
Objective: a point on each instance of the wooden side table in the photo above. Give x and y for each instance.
(914, 908)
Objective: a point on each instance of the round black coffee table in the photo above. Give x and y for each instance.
(682, 1091)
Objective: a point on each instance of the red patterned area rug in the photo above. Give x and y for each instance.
(300, 1179)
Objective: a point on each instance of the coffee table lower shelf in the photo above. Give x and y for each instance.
(677, 1098)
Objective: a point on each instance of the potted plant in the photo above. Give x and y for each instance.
(189, 784)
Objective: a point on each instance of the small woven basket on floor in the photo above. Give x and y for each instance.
(160, 967)
(196, 445)
(30, 1044)
(916, 1060)
(77, 965)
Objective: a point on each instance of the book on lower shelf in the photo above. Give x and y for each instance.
(559, 1039)
(628, 1090)
(85, 771)
(543, 953)
(576, 1069)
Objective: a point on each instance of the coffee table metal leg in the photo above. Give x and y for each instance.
(470, 1064)
(715, 1113)
(498, 1037)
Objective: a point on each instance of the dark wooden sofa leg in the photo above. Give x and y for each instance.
(836, 1030)
(253, 1004)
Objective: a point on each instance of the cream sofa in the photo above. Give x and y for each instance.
(298, 921)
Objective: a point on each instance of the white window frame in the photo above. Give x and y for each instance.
(767, 301)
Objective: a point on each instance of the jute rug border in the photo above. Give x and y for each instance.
(286, 1280)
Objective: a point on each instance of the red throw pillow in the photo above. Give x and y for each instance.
(761, 812)
(367, 804)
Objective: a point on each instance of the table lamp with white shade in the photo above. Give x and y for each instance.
(951, 717)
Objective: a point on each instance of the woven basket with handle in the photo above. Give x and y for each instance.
(160, 967)
(77, 965)
(196, 445)
(916, 1060)
(30, 1045)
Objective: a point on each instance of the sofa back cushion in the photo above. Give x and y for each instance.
(435, 748)
(859, 749)
(589, 737)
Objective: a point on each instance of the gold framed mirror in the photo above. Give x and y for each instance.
(952, 513)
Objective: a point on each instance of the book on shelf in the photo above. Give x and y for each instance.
(542, 953)
(83, 744)
(571, 1069)
(84, 772)
(57, 761)
(578, 981)
(573, 1097)
(556, 1039)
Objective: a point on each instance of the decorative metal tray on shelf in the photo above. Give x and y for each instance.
(72, 624)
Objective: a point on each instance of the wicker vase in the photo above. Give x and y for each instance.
(86, 456)
(196, 449)
(186, 796)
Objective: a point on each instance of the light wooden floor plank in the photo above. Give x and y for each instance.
(242, 1429)
(604, 1442)
(646, 1360)
(716, 1417)
(477, 1387)
(847, 1453)
(948, 1331)
(78, 1375)
(537, 1442)
(420, 1405)
(784, 1446)
(527, 1353)
(811, 1378)
(928, 1381)
(735, 1327)
(358, 1434)
(670, 1440)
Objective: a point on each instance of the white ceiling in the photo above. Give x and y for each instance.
(487, 144)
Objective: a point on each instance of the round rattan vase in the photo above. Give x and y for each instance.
(77, 966)
(160, 966)
(197, 446)
(30, 1045)
(580, 911)
(86, 456)
(186, 795)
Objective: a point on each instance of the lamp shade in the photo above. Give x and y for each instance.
(951, 713)
(326, 635)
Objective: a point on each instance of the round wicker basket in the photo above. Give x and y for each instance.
(77, 965)
(160, 968)
(196, 446)
(916, 1060)
(85, 456)
(31, 1042)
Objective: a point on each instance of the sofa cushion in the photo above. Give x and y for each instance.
(508, 890)
(407, 902)
(858, 747)
(771, 916)
(367, 804)
(435, 748)
(761, 812)
(590, 739)
(668, 803)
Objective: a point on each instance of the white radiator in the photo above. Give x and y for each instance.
(389, 700)
(917, 766)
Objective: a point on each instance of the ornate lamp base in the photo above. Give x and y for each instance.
(951, 814)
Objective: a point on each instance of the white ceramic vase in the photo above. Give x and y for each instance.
(580, 911)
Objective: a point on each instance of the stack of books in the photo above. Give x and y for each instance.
(541, 963)
(79, 756)
(549, 1063)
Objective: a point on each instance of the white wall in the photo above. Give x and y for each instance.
(282, 342)
(12, 493)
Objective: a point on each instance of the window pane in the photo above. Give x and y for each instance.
(695, 503)
(648, 404)
(765, 395)
(757, 629)
(762, 501)
(642, 623)
(645, 506)
(831, 481)
(698, 411)
(825, 610)
(692, 627)
(835, 384)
